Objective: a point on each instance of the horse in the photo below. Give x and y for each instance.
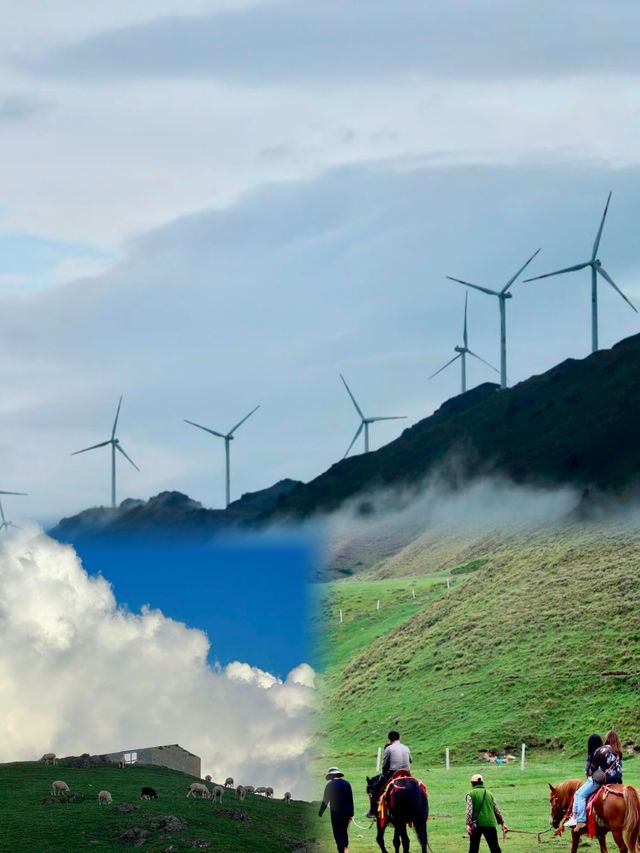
(618, 810)
(408, 805)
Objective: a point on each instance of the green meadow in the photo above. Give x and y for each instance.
(537, 640)
(27, 825)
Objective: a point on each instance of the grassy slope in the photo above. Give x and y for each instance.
(536, 641)
(29, 826)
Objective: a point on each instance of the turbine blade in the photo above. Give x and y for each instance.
(596, 244)
(464, 330)
(4, 520)
(475, 355)
(560, 272)
(605, 275)
(14, 493)
(475, 286)
(523, 267)
(206, 429)
(358, 409)
(246, 417)
(389, 418)
(128, 458)
(93, 447)
(115, 423)
(354, 439)
(455, 358)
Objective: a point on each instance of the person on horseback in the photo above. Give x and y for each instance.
(397, 756)
(339, 796)
(605, 767)
(483, 817)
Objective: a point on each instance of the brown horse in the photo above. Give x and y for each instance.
(619, 813)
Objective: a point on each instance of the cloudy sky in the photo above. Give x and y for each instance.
(145, 678)
(208, 205)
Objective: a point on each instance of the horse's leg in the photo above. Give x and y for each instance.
(602, 838)
(397, 834)
(575, 840)
(380, 839)
(617, 837)
(405, 839)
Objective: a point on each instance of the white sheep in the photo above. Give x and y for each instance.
(104, 797)
(268, 792)
(59, 787)
(287, 797)
(197, 789)
(217, 793)
(249, 789)
(207, 778)
(241, 792)
(260, 790)
(49, 758)
(228, 782)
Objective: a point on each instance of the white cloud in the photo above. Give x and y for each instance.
(80, 674)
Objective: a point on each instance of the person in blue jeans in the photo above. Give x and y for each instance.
(605, 767)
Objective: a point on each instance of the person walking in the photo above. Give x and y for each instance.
(483, 817)
(339, 797)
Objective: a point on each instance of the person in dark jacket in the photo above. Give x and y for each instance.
(483, 817)
(339, 797)
(594, 743)
(605, 768)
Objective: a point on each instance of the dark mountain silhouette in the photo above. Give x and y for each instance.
(577, 424)
(169, 514)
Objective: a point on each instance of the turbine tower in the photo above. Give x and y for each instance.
(228, 438)
(502, 295)
(596, 270)
(364, 422)
(115, 445)
(4, 524)
(463, 351)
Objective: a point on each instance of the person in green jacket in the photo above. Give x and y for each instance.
(483, 817)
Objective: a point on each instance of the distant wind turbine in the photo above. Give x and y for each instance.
(115, 445)
(228, 438)
(596, 269)
(502, 295)
(5, 525)
(364, 422)
(463, 351)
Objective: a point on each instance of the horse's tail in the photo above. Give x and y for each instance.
(421, 813)
(631, 826)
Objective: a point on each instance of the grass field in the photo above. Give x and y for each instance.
(537, 640)
(29, 826)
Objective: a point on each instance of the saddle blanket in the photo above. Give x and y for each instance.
(387, 798)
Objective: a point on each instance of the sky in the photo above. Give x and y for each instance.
(208, 206)
(116, 679)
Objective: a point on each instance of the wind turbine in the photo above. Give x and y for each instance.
(5, 525)
(463, 351)
(502, 295)
(115, 445)
(364, 422)
(228, 438)
(596, 269)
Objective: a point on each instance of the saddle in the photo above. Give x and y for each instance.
(594, 821)
(386, 800)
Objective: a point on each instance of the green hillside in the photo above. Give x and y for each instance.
(537, 641)
(31, 826)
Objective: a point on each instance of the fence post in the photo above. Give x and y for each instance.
(378, 604)
(448, 582)
(378, 759)
(413, 590)
(446, 758)
(522, 756)
(341, 616)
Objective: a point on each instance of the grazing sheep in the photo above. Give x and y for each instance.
(104, 797)
(287, 797)
(249, 789)
(197, 789)
(217, 793)
(148, 794)
(228, 782)
(49, 758)
(207, 778)
(241, 792)
(59, 787)
(268, 792)
(260, 790)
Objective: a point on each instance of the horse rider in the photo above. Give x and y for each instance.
(605, 767)
(397, 756)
